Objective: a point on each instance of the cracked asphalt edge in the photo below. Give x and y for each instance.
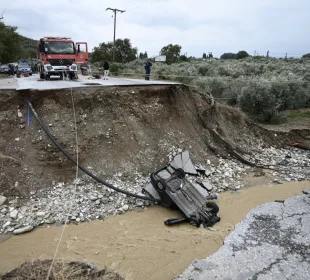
(271, 242)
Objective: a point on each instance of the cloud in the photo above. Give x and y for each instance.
(197, 25)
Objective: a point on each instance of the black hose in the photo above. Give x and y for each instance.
(81, 167)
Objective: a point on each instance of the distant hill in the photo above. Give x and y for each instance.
(27, 42)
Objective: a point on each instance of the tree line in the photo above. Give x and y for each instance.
(14, 46)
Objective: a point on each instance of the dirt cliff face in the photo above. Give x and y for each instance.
(120, 130)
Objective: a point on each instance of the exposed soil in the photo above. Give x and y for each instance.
(127, 130)
(60, 270)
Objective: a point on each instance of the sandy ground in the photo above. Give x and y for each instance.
(138, 245)
(33, 83)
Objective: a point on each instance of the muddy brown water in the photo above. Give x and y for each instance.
(137, 244)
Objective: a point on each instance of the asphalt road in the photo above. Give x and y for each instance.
(272, 242)
(33, 83)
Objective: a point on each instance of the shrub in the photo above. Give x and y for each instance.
(258, 99)
(307, 55)
(228, 56)
(242, 54)
(115, 69)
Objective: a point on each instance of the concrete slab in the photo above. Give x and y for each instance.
(33, 83)
(183, 161)
(8, 83)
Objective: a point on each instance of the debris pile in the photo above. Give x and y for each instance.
(94, 201)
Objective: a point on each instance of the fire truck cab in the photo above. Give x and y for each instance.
(59, 56)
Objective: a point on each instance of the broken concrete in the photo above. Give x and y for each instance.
(183, 161)
(272, 242)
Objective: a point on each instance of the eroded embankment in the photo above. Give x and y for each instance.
(120, 130)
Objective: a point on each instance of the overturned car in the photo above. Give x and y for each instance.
(170, 185)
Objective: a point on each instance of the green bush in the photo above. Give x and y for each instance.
(114, 69)
(258, 99)
(263, 87)
(242, 54)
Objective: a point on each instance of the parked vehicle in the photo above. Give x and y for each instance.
(4, 69)
(13, 65)
(59, 56)
(24, 67)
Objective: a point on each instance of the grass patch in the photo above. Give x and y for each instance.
(302, 113)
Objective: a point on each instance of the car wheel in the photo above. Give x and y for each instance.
(214, 208)
(160, 186)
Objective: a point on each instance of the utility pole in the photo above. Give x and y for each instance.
(114, 11)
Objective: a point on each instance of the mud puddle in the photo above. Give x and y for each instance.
(138, 245)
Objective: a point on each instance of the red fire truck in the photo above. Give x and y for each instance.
(58, 56)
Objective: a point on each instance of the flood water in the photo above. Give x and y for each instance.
(137, 244)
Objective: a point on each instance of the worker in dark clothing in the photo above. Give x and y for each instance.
(147, 68)
(11, 69)
(106, 68)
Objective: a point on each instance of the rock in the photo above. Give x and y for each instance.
(97, 202)
(93, 198)
(4, 211)
(277, 181)
(14, 214)
(125, 207)
(6, 224)
(19, 113)
(40, 214)
(50, 124)
(78, 219)
(2, 199)
(23, 230)
(140, 203)
(105, 200)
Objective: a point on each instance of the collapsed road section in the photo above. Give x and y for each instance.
(272, 242)
(124, 135)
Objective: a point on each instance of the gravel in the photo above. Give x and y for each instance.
(2, 199)
(94, 201)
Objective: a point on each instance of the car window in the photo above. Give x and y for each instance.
(4, 66)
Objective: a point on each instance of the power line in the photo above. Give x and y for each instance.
(115, 11)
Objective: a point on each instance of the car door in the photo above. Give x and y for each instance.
(81, 52)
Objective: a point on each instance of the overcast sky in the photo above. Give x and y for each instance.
(281, 26)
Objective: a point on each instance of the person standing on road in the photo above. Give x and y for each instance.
(11, 69)
(106, 67)
(147, 68)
